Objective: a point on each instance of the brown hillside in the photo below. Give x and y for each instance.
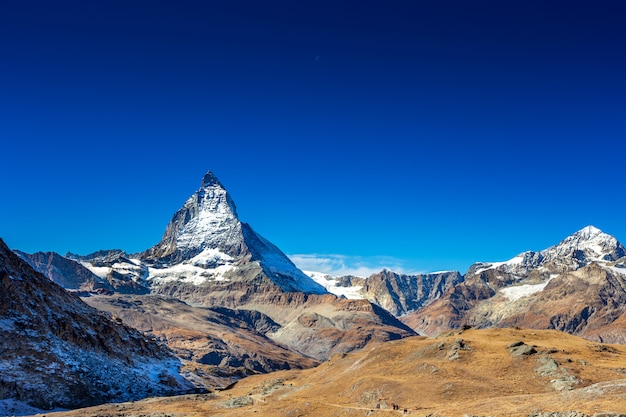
(217, 346)
(496, 372)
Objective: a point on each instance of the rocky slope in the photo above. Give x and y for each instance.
(58, 352)
(578, 286)
(401, 293)
(124, 274)
(66, 272)
(208, 257)
(493, 372)
(217, 346)
(396, 293)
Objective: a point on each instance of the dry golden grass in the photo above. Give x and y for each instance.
(461, 373)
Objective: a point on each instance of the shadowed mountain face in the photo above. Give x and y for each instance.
(401, 293)
(68, 273)
(578, 286)
(59, 352)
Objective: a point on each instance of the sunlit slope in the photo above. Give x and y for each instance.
(497, 372)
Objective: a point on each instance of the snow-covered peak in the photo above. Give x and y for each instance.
(210, 179)
(589, 244)
(205, 241)
(210, 214)
(207, 220)
(589, 232)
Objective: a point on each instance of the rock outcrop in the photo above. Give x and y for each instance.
(402, 293)
(66, 272)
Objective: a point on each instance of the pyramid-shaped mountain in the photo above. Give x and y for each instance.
(206, 242)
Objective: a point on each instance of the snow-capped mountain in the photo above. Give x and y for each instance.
(68, 273)
(587, 245)
(205, 241)
(59, 352)
(207, 220)
(577, 285)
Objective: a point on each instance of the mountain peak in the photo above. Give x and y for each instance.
(207, 220)
(209, 180)
(589, 232)
(587, 245)
(206, 233)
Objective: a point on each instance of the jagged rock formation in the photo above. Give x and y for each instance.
(59, 352)
(66, 272)
(578, 286)
(401, 293)
(207, 220)
(206, 236)
(396, 293)
(124, 274)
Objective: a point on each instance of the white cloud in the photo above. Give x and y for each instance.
(339, 265)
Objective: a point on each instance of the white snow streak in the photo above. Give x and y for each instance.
(330, 283)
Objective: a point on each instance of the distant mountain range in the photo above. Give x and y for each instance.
(578, 286)
(228, 303)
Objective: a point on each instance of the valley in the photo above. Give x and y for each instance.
(494, 372)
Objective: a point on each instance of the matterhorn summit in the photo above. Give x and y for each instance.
(207, 220)
(205, 242)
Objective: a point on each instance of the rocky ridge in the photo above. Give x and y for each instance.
(397, 293)
(578, 286)
(87, 358)
(66, 272)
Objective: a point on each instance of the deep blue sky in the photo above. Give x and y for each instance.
(416, 135)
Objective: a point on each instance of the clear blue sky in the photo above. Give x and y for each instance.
(418, 135)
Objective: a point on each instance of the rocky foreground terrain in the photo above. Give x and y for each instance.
(56, 351)
(494, 372)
